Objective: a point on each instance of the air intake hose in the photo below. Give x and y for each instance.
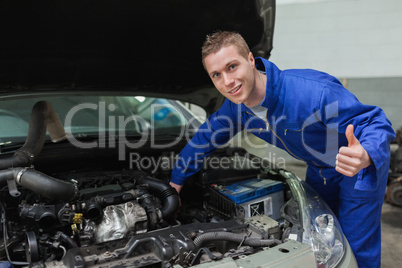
(237, 238)
(169, 195)
(43, 117)
(40, 183)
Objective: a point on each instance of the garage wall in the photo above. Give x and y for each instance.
(385, 92)
(358, 41)
(352, 38)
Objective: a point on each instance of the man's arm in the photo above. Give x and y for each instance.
(176, 186)
(216, 131)
(368, 141)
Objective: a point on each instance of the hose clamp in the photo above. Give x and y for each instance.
(26, 153)
(19, 175)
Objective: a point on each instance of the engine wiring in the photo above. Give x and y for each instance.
(3, 221)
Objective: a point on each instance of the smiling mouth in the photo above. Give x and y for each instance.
(235, 90)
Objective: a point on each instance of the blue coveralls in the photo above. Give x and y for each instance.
(308, 112)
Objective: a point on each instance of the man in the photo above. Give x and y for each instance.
(314, 118)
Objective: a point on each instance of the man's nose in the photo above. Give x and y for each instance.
(228, 79)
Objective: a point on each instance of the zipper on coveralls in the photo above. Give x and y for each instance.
(259, 129)
(268, 127)
(325, 179)
(298, 130)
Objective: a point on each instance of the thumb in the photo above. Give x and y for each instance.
(352, 140)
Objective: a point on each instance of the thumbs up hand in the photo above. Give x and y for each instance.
(350, 160)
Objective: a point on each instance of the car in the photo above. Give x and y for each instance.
(97, 98)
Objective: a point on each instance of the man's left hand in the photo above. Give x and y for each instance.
(350, 160)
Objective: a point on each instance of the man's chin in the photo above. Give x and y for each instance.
(236, 100)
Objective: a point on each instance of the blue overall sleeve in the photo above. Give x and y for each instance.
(371, 128)
(216, 131)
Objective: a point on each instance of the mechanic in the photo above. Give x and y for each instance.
(308, 113)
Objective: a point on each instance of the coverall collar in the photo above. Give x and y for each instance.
(272, 73)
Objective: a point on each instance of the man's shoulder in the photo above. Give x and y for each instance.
(305, 75)
(309, 76)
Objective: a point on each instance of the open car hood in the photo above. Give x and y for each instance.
(126, 45)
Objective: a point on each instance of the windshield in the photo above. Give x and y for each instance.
(90, 115)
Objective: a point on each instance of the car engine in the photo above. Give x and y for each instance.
(128, 217)
(117, 217)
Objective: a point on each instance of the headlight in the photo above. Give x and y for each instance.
(327, 241)
(321, 227)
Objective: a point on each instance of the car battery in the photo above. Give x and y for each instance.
(257, 196)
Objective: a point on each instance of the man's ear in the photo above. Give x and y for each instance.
(251, 59)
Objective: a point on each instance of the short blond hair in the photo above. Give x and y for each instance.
(214, 42)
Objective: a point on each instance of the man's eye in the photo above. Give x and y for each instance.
(231, 67)
(215, 75)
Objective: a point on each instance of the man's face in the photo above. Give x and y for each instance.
(232, 74)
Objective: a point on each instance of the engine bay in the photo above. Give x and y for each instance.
(130, 217)
(92, 212)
